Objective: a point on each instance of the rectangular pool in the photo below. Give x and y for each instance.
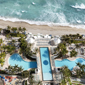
(45, 62)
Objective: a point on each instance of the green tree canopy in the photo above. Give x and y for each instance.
(80, 72)
(66, 75)
(73, 53)
(25, 48)
(25, 74)
(61, 49)
(14, 69)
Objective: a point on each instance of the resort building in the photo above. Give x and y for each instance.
(47, 65)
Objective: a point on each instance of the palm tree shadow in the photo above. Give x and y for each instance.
(45, 53)
(16, 57)
(80, 60)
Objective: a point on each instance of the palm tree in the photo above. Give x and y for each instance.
(31, 81)
(13, 41)
(20, 29)
(14, 29)
(2, 55)
(62, 49)
(0, 44)
(39, 82)
(63, 82)
(77, 46)
(4, 48)
(30, 45)
(66, 74)
(9, 67)
(0, 30)
(78, 64)
(1, 61)
(83, 43)
(20, 69)
(25, 74)
(81, 71)
(36, 50)
(1, 40)
(77, 35)
(73, 53)
(24, 29)
(8, 28)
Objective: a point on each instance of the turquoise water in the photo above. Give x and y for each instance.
(46, 66)
(59, 12)
(16, 59)
(68, 63)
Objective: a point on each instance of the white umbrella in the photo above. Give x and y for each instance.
(35, 37)
(30, 40)
(57, 40)
(39, 36)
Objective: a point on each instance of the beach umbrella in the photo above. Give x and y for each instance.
(57, 40)
(30, 40)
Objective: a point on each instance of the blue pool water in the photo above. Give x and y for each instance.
(16, 59)
(69, 63)
(46, 66)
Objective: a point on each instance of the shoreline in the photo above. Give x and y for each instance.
(44, 29)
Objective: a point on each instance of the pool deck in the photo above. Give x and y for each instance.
(40, 66)
(6, 63)
(71, 59)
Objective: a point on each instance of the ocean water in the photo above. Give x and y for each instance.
(50, 12)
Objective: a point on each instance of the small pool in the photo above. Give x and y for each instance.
(45, 62)
(16, 59)
(69, 63)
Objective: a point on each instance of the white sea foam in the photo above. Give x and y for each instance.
(42, 23)
(24, 11)
(78, 21)
(81, 6)
(16, 4)
(61, 18)
(29, 6)
(33, 3)
(18, 13)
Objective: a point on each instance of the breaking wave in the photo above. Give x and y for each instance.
(42, 23)
(44, 12)
(82, 6)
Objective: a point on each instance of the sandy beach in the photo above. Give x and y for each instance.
(54, 30)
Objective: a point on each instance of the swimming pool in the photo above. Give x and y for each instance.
(46, 66)
(68, 63)
(16, 59)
